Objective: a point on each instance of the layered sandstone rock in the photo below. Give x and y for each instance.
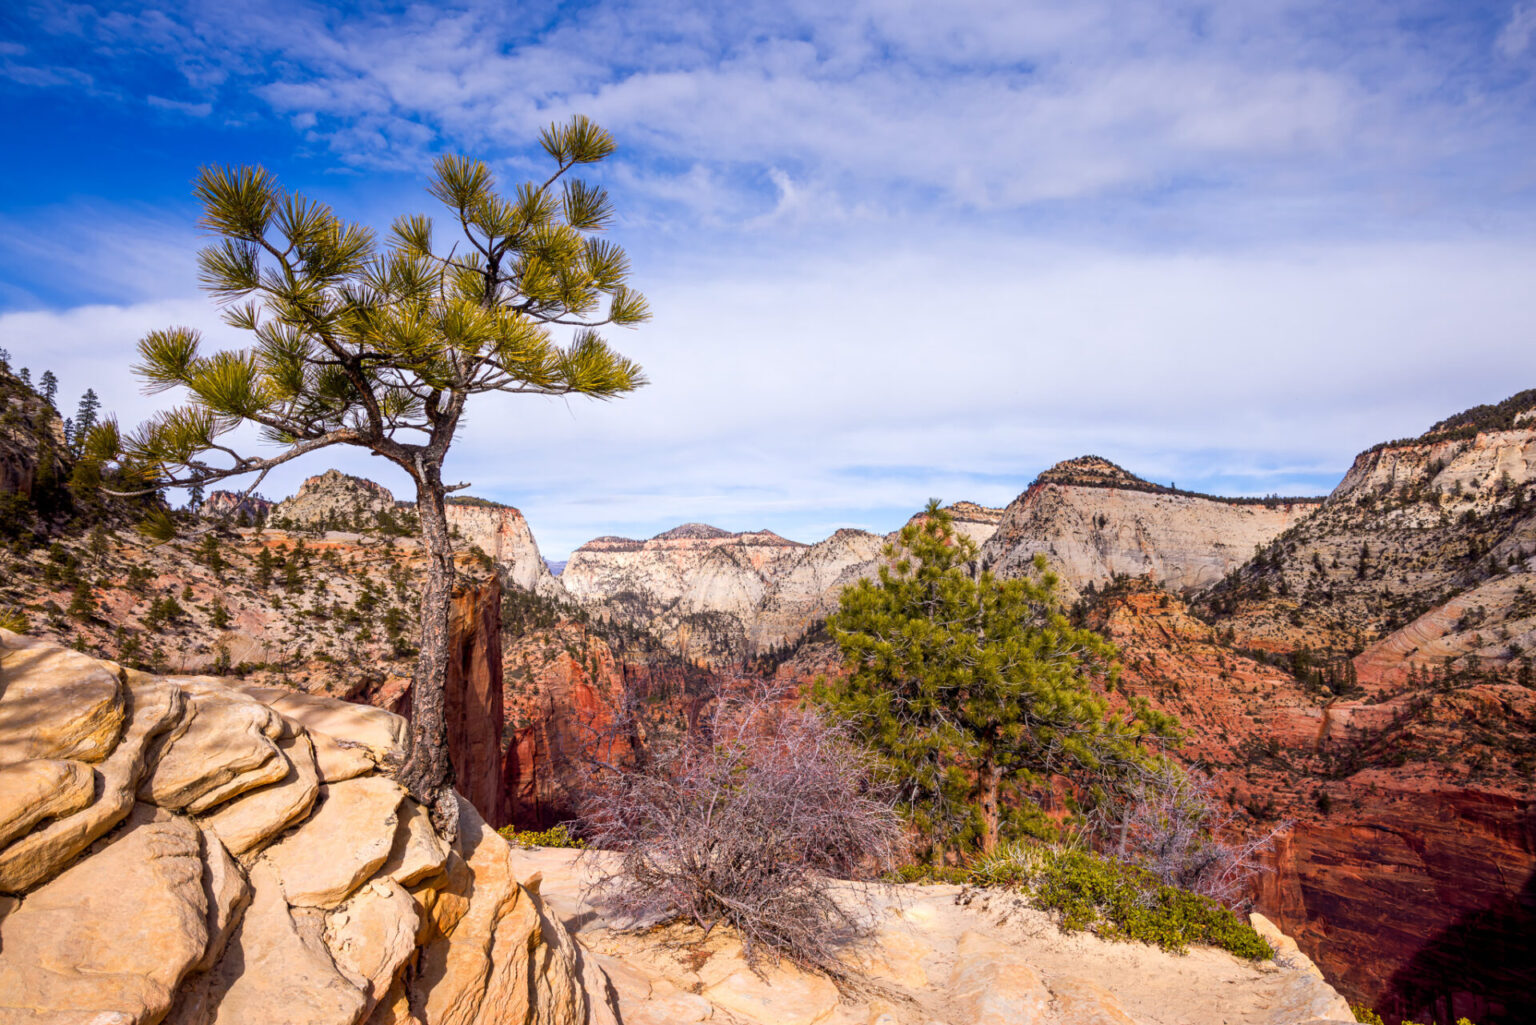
(1093, 522)
(938, 955)
(1423, 549)
(216, 893)
(336, 500)
(502, 533)
(1408, 844)
(716, 597)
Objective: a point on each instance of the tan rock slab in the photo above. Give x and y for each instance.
(345, 840)
(372, 934)
(395, 1008)
(491, 955)
(228, 745)
(114, 933)
(989, 987)
(154, 708)
(383, 734)
(255, 818)
(418, 851)
(1086, 1003)
(269, 973)
(787, 997)
(338, 760)
(227, 892)
(41, 788)
(56, 703)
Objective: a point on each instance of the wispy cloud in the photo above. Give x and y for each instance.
(896, 249)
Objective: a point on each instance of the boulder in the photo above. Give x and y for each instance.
(371, 936)
(988, 986)
(418, 851)
(154, 708)
(344, 842)
(270, 973)
(252, 820)
(41, 788)
(114, 933)
(227, 746)
(56, 703)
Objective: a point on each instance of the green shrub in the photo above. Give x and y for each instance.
(555, 836)
(14, 620)
(1115, 900)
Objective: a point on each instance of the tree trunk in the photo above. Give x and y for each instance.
(428, 772)
(989, 779)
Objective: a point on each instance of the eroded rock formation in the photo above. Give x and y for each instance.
(1093, 521)
(242, 856)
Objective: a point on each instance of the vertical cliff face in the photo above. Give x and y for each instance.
(717, 597)
(31, 437)
(473, 708)
(1093, 521)
(1411, 850)
(696, 587)
(501, 532)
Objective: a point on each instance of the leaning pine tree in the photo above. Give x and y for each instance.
(975, 691)
(383, 348)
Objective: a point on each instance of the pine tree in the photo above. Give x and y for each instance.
(83, 604)
(85, 419)
(49, 386)
(975, 691)
(384, 350)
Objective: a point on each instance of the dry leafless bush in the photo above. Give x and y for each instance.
(745, 821)
(1170, 823)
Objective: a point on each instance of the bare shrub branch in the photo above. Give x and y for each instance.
(746, 820)
(1170, 823)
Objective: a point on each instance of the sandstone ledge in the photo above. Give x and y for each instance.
(205, 872)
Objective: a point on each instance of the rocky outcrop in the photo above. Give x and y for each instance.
(1093, 522)
(191, 888)
(502, 533)
(338, 501)
(31, 437)
(232, 505)
(335, 501)
(938, 955)
(717, 598)
(1421, 550)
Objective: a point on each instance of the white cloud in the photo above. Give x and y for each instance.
(851, 387)
(1515, 37)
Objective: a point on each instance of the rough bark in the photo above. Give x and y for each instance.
(428, 771)
(988, 783)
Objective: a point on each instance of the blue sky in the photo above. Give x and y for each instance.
(895, 250)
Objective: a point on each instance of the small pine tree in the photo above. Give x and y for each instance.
(49, 386)
(85, 420)
(83, 604)
(973, 689)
